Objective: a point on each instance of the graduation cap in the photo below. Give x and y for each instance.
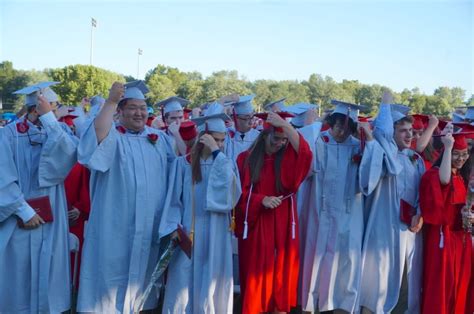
(469, 113)
(173, 103)
(264, 116)
(135, 90)
(420, 121)
(457, 117)
(280, 104)
(213, 120)
(460, 142)
(348, 109)
(31, 93)
(244, 105)
(399, 111)
(299, 110)
(187, 130)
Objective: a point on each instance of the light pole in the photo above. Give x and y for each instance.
(93, 25)
(140, 52)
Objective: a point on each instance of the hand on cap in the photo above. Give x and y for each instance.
(116, 93)
(310, 116)
(447, 129)
(433, 121)
(229, 99)
(209, 141)
(448, 141)
(196, 112)
(275, 120)
(43, 106)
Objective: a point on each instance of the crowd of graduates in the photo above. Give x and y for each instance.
(289, 210)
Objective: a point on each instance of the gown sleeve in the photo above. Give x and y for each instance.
(223, 190)
(59, 153)
(94, 155)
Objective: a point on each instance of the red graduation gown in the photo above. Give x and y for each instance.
(269, 257)
(76, 185)
(447, 261)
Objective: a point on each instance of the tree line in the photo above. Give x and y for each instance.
(78, 81)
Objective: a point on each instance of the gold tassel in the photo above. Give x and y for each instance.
(232, 223)
(191, 236)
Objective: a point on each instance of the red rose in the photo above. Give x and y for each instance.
(153, 138)
(414, 157)
(325, 139)
(357, 158)
(121, 129)
(22, 127)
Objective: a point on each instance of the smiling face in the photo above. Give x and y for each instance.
(403, 135)
(133, 114)
(459, 158)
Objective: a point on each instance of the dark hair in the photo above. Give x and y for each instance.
(122, 103)
(334, 118)
(196, 153)
(256, 158)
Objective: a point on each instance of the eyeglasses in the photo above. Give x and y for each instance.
(459, 156)
(245, 118)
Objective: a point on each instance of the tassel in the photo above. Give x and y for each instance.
(441, 238)
(246, 230)
(293, 230)
(191, 236)
(232, 224)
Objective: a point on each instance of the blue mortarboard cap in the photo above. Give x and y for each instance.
(9, 117)
(469, 113)
(280, 104)
(135, 90)
(299, 110)
(173, 103)
(97, 101)
(244, 105)
(31, 96)
(399, 111)
(346, 108)
(457, 117)
(213, 120)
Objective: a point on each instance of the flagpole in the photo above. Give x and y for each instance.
(93, 25)
(138, 62)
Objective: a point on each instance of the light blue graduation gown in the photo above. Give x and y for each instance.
(388, 243)
(204, 283)
(334, 230)
(129, 179)
(34, 264)
(235, 145)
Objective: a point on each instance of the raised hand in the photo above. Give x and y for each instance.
(275, 120)
(209, 142)
(116, 93)
(43, 106)
(448, 141)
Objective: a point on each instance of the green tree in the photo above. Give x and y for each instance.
(10, 81)
(78, 81)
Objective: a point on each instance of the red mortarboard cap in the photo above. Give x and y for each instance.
(68, 119)
(420, 121)
(187, 130)
(266, 125)
(460, 142)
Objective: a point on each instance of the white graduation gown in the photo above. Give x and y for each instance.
(129, 179)
(388, 244)
(34, 264)
(334, 230)
(234, 145)
(204, 283)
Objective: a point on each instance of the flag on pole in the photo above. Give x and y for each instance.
(94, 22)
(140, 52)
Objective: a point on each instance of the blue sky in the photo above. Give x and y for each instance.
(400, 44)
